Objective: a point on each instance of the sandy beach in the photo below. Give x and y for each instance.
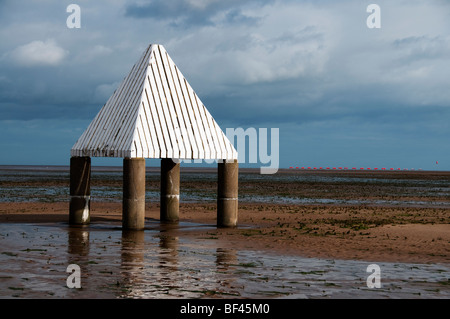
(374, 231)
(369, 233)
(300, 234)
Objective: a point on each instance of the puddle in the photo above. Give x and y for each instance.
(163, 262)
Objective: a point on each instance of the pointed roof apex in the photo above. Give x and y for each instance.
(154, 113)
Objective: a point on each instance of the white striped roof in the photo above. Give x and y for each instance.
(154, 113)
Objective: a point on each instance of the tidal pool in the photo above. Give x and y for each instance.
(164, 262)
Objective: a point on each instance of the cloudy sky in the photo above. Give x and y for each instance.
(341, 94)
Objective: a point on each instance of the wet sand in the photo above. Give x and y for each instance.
(400, 216)
(394, 234)
(163, 262)
(300, 235)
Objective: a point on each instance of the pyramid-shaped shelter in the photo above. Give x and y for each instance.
(154, 113)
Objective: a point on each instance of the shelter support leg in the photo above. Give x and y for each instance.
(170, 190)
(227, 199)
(80, 190)
(133, 204)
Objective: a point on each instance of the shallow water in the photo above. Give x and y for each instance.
(114, 194)
(164, 262)
(27, 188)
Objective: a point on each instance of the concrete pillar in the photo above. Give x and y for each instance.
(133, 203)
(170, 190)
(227, 195)
(80, 190)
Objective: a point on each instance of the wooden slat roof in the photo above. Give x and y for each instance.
(154, 113)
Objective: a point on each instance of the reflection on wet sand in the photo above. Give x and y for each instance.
(168, 252)
(164, 269)
(78, 251)
(78, 241)
(148, 269)
(161, 262)
(132, 262)
(225, 257)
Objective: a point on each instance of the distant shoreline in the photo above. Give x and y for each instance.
(66, 168)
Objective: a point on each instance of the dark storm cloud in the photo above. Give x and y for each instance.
(236, 16)
(311, 68)
(416, 48)
(185, 13)
(45, 92)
